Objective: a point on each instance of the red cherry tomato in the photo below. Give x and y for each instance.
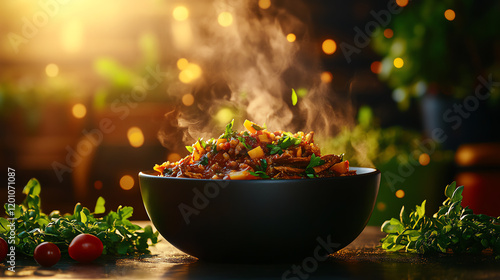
(85, 248)
(4, 248)
(47, 254)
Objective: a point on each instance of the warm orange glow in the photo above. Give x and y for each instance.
(182, 63)
(135, 137)
(225, 19)
(398, 62)
(127, 182)
(52, 70)
(424, 159)
(381, 206)
(402, 3)
(264, 4)
(388, 33)
(180, 13)
(79, 110)
(376, 67)
(449, 14)
(190, 73)
(291, 37)
(400, 193)
(173, 157)
(98, 185)
(329, 46)
(326, 77)
(188, 99)
(72, 36)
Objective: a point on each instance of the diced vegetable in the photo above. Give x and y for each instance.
(256, 153)
(249, 126)
(264, 139)
(241, 175)
(341, 167)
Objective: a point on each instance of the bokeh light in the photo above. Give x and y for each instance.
(135, 137)
(388, 33)
(329, 46)
(400, 193)
(52, 70)
(424, 159)
(188, 99)
(264, 4)
(381, 206)
(449, 14)
(291, 37)
(182, 63)
(173, 157)
(398, 62)
(402, 3)
(225, 19)
(79, 110)
(326, 77)
(376, 67)
(98, 185)
(224, 115)
(180, 13)
(190, 73)
(127, 182)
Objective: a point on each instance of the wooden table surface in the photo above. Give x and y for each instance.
(360, 260)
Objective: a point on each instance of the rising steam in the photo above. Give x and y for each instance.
(250, 68)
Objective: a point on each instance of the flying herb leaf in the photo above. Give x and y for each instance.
(99, 206)
(294, 97)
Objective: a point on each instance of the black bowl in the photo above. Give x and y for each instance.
(260, 220)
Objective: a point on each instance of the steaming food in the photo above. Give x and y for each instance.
(256, 154)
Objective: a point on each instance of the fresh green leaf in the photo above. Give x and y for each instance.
(450, 189)
(99, 206)
(294, 97)
(204, 160)
(190, 149)
(228, 132)
(258, 128)
(451, 228)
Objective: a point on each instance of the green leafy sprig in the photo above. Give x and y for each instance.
(118, 235)
(283, 143)
(228, 132)
(452, 229)
(315, 161)
(261, 170)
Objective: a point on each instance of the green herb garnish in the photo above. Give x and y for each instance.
(315, 161)
(32, 226)
(190, 149)
(242, 140)
(204, 160)
(258, 127)
(283, 143)
(261, 170)
(228, 132)
(453, 228)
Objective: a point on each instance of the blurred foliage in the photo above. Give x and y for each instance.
(440, 56)
(118, 81)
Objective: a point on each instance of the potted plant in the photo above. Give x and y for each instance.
(446, 54)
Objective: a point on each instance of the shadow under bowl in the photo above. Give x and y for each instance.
(257, 221)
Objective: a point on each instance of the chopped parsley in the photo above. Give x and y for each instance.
(261, 170)
(315, 161)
